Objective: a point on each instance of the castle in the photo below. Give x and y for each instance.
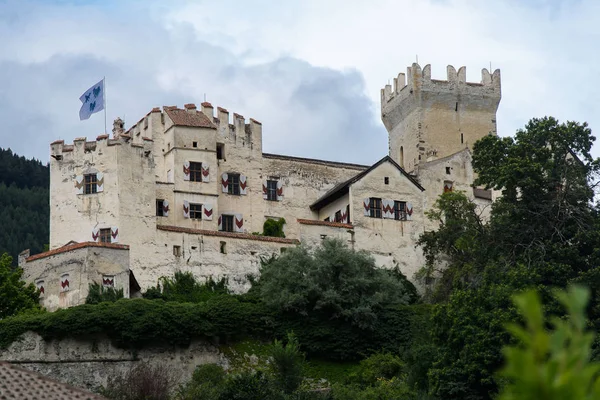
(188, 189)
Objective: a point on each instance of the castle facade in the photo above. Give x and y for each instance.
(189, 189)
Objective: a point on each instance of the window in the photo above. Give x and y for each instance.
(462, 138)
(194, 144)
(326, 219)
(375, 207)
(447, 170)
(272, 190)
(338, 216)
(195, 211)
(233, 186)
(105, 235)
(447, 186)
(223, 247)
(227, 223)
(195, 171)
(220, 151)
(177, 251)
(400, 210)
(386, 180)
(90, 184)
(160, 208)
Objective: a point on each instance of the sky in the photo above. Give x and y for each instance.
(311, 71)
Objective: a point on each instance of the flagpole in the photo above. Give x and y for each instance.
(104, 95)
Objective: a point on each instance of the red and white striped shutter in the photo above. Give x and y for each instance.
(243, 184)
(279, 190)
(64, 283)
(114, 234)
(332, 218)
(409, 211)
(387, 208)
(40, 287)
(220, 223)
(99, 182)
(186, 209)
(366, 207)
(265, 191)
(205, 173)
(186, 171)
(392, 209)
(108, 281)
(238, 223)
(344, 216)
(165, 208)
(79, 184)
(95, 234)
(207, 211)
(224, 182)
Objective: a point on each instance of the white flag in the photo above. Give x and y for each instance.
(93, 100)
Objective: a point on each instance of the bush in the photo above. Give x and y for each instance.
(274, 227)
(287, 364)
(98, 294)
(142, 382)
(184, 288)
(248, 385)
(206, 383)
(376, 367)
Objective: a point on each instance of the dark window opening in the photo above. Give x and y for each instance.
(233, 185)
(195, 211)
(223, 247)
(338, 216)
(195, 172)
(386, 180)
(462, 138)
(375, 207)
(194, 144)
(400, 210)
(447, 170)
(105, 235)
(227, 223)
(326, 219)
(272, 190)
(456, 106)
(177, 251)
(348, 214)
(160, 208)
(220, 151)
(90, 183)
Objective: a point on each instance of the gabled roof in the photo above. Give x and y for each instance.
(188, 118)
(19, 383)
(341, 189)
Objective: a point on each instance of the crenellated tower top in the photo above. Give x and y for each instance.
(428, 118)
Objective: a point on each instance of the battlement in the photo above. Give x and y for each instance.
(417, 79)
(60, 151)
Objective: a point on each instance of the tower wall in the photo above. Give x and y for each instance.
(428, 118)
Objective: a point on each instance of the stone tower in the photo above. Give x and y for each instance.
(428, 119)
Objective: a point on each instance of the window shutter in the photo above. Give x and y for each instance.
(387, 207)
(186, 209)
(220, 223)
(344, 216)
(95, 234)
(108, 281)
(40, 287)
(409, 211)
(99, 182)
(238, 222)
(265, 195)
(79, 184)
(224, 182)
(279, 190)
(186, 171)
(165, 208)
(367, 207)
(207, 211)
(243, 184)
(64, 283)
(205, 173)
(332, 218)
(114, 234)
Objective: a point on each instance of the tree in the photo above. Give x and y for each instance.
(16, 296)
(333, 281)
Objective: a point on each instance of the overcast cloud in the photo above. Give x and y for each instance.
(310, 70)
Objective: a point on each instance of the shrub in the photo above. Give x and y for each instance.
(206, 383)
(274, 227)
(287, 364)
(248, 385)
(142, 382)
(98, 294)
(376, 367)
(184, 287)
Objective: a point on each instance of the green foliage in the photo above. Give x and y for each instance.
(25, 213)
(249, 385)
(551, 364)
(274, 227)
(15, 295)
(206, 383)
(98, 293)
(142, 382)
(333, 282)
(287, 364)
(184, 287)
(394, 388)
(376, 367)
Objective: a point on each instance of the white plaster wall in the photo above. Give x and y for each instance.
(337, 205)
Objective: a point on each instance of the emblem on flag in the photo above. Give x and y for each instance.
(93, 100)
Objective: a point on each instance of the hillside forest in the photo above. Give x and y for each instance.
(508, 306)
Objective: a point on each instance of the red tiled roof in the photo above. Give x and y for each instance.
(76, 246)
(155, 109)
(231, 235)
(315, 161)
(325, 223)
(191, 106)
(19, 383)
(236, 115)
(222, 109)
(186, 118)
(255, 121)
(206, 104)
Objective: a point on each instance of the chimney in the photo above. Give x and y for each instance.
(118, 128)
(207, 109)
(191, 108)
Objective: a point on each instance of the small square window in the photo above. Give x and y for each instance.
(386, 180)
(223, 247)
(194, 144)
(195, 211)
(447, 170)
(177, 251)
(105, 235)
